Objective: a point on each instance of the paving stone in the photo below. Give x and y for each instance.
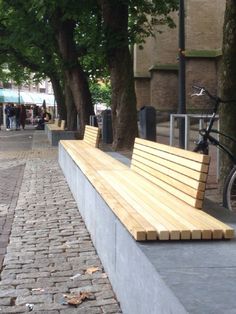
(47, 241)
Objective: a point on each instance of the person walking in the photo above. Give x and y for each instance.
(12, 117)
(22, 116)
(7, 113)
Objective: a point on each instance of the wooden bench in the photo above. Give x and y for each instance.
(57, 125)
(159, 197)
(56, 131)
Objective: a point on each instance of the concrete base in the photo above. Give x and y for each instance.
(54, 136)
(157, 277)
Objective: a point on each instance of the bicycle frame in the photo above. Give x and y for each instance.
(222, 147)
(206, 137)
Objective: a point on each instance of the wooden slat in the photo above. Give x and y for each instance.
(189, 186)
(199, 218)
(180, 160)
(196, 175)
(181, 195)
(160, 215)
(63, 124)
(150, 209)
(180, 172)
(174, 150)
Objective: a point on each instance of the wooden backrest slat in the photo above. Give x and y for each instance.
(155, 160)
(175, 150)
(176, 178)
(180, 172)
(63, 124)
(91, 135)
(175, 158)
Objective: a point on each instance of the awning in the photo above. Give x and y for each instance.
(25, 97)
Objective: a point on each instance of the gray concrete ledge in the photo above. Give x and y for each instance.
(54, 136)
(157, 277)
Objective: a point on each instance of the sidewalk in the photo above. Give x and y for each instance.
(45, 249)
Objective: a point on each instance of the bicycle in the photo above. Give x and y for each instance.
(202, 146)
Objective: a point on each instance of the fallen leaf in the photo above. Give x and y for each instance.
(91, 270)
(76, 299)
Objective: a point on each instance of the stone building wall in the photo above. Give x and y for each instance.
(157, 62)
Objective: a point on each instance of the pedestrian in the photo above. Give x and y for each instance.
(46, 117)
(7, 113)
(22, 116)
(1, 116)
(12, 117)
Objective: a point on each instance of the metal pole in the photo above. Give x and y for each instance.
(182, 97)
(19, 94)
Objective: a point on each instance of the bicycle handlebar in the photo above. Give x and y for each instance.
(203, 91)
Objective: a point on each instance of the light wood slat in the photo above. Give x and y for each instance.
(137, 225)
(55, 126)
(174, 150)
(173, 158)
(148, 193)
(95, 157)
(184, 185)
(181, 195)
(88, 163)
(92, 135)
(127, 219)
(63, 124)
(195, 175)
(198, 217)
(146, 207)
(162, 226)
(149, 205)
(161, 198)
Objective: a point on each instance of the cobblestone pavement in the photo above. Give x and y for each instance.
(50, 256)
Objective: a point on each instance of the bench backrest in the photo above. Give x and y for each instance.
(56, 121)
(91, 135)
(63, 124)
(181, 173)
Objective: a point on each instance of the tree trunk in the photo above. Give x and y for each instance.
(124, 113)
(59, 96)
(75, 76)
(228, 83)
(71, 110)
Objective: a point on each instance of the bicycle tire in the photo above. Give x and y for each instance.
(229, 191)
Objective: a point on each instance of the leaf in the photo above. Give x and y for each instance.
(91, 270)
(76, 299)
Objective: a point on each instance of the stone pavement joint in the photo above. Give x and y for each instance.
(50, 250)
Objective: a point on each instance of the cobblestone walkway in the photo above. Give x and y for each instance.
(50, 256)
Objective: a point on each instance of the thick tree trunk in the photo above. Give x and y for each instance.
(71, 110)
(124, 114)
(75, 76)
(59, 97)
(228, 84)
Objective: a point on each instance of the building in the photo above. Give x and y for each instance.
(156, 65)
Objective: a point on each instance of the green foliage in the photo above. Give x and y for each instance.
(144, 15)
(27, 38)
(101, 93)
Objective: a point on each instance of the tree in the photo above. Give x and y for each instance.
(227, 85)
(25, 44)
(125, 22)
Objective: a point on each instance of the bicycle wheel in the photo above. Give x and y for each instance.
(229, 193)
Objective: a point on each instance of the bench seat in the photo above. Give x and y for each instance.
(56, 125)
(150, 208)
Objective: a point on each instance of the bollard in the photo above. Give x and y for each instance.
(107, 136)
(147, 119)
